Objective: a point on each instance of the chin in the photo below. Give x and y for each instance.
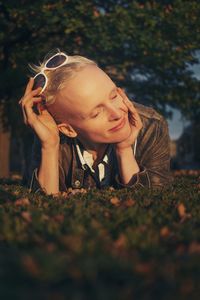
(120, 136)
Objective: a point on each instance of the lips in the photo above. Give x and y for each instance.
(119, 126)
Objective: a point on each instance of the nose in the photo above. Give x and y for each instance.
(114, 112)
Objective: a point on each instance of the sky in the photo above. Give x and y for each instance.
(177, 122)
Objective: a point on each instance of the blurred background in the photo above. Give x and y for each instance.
(150, 48)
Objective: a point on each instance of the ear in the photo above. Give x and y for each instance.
(67, 129)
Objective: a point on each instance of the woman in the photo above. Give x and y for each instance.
(88, 133)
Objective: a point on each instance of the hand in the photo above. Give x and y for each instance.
(134, 121)
(43, 124)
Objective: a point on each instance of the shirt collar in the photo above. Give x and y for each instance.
(86, 158)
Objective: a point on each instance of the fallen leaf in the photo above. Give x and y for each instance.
(15, 193)
(71, 191)
(26, 216)
(115, 201)
(22, 202)
(181, 210)
(164, 231)
(107, 214)
(111, 188)
(121, 241)
(129, 202)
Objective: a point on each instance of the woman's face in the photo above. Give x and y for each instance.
(92, 105)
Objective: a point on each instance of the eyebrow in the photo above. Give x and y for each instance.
(114, 88)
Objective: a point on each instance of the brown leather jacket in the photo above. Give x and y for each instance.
(152, 156)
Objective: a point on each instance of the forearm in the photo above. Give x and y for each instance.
(48, 173)
(127, 164)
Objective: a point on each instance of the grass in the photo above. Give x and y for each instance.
(101, 244)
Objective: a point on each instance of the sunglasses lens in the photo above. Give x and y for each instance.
(39, 81)
(56, 61)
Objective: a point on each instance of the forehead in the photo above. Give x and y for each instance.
(87, 89)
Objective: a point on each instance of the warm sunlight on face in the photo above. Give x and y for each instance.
(92, 106)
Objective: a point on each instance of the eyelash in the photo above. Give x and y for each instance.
(93, 117)
(96, 115)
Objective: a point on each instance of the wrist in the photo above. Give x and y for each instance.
(50, 148)
(123, 151)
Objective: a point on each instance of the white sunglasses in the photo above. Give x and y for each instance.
(56, 61)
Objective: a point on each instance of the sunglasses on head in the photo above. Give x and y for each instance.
(54, 62)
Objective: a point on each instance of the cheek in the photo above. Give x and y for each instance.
(90, 128)
(97, 131)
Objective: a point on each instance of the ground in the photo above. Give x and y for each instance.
(101, 244)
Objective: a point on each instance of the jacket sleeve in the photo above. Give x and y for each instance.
(35, 186)
(155, 167)
(31, 180)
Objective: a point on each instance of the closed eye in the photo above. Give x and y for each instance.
(96, 113)
(115, 96)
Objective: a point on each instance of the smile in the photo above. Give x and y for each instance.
(119, 126)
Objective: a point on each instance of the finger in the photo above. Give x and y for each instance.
(29, 86)
(126, 99)
(127, 102)
(27, 109)
(29, 114)
(135, 117)
(19, 102)
(24, 116)
(30, 95)
(133, 113)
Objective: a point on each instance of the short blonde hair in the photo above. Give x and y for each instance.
(57, 78)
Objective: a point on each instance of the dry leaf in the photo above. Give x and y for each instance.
(107, 214)
(115, 201)
(181, 210)
(71, 191)
(129, 202)
(16, 193)
(164, 231)
(22, 202)
(111, 188)
(26, 216)
(121, 241)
